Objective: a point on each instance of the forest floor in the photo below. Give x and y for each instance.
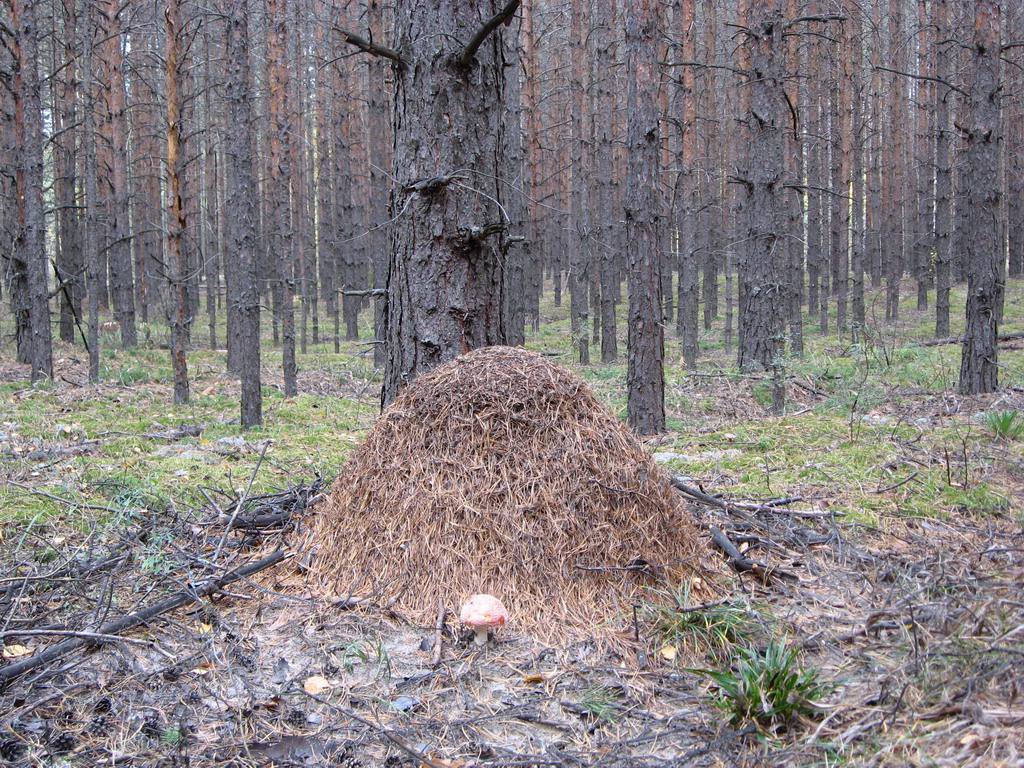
(902, 587)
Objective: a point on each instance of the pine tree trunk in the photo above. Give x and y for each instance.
(175, 209)
(69, 238)
(29, 257)
(280, 175)
(93, 264)
(380, 184)
(579, 276)
(240, 200)
(122, 285)
(979, 362)
(761, 172)
(645, 376)
(685, 106)
(854, 74)
(445, 284)
(943, 168)
(604, 178)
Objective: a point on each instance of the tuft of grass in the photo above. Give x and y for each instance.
(712, 628)
(768, 688)
(599, 702)
(1005, 425)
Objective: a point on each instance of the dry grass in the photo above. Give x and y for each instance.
(500, 472)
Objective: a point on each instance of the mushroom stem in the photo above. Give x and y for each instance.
(481, 637)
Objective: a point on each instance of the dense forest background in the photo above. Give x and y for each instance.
(763, 163)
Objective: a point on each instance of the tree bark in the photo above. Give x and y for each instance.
(685, 106)
(30, 263)
(175, 209)
(979, 362)
(578, 242)
(380, 184)
(445, 284)
(943, 166)
(280, 175)
(606, 226)
(93, 263)
(241, 201)
(118, 224)
(645, 376)
(761, 179)
(70, 268)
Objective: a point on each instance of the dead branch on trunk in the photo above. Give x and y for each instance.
(501, 17)
(368, 46)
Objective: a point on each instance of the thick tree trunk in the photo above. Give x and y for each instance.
(30, 247)
(445, 286)
(979, 362)
(645, 376)
(761, 171)
(795, 234)
(241, 224)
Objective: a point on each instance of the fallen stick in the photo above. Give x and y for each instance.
(132, 620)
(773, 507)
(959, 339)
(744, 564)
(435, 658)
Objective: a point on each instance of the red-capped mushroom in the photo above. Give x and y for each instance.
(482, 613)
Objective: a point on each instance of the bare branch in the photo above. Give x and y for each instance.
(501, 17)
(924, 77)
(369, 46)
(820, 17)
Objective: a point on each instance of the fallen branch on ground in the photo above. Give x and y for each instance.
(744, 564)
(132, 620)
(773, 507)
(960, 340)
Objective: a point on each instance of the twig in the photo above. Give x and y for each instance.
(241, 502)
(385, 732)
(98, 637)
(435, 658)
(894, 486)
(744, 506)
(62, 500)
(138, 618)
